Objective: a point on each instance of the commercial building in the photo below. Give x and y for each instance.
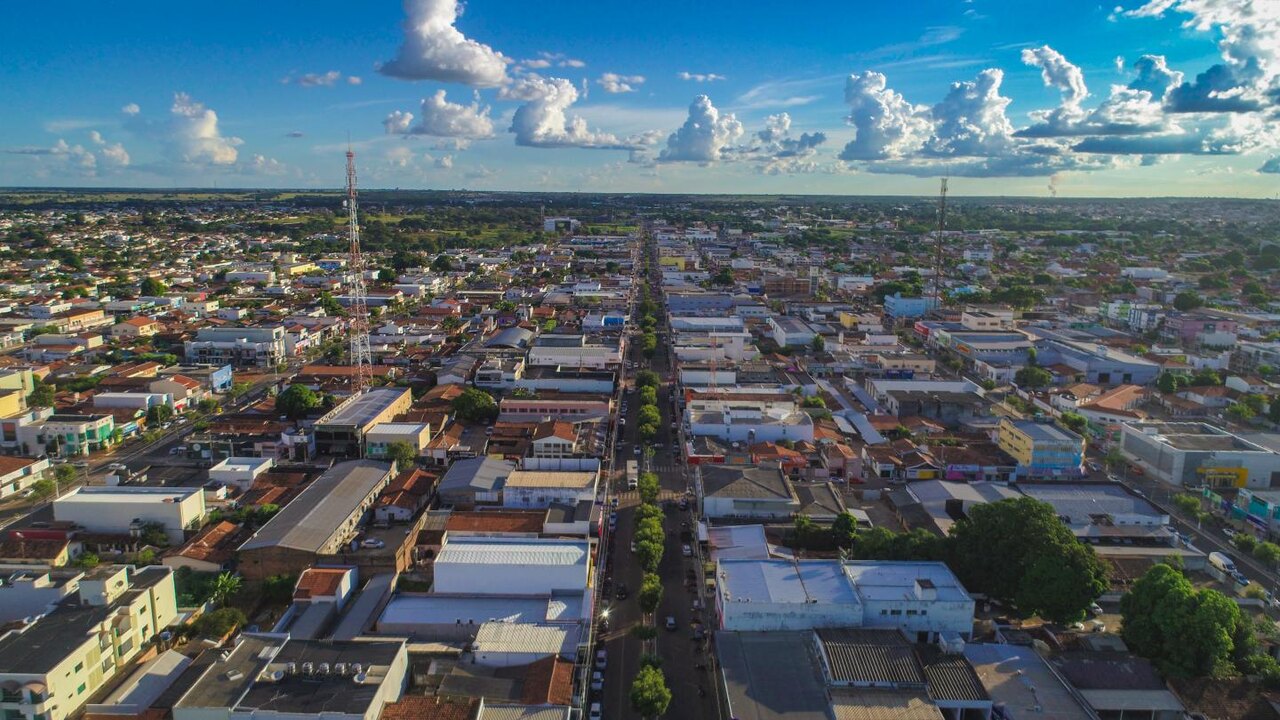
(51, 664)
(899, 308)
(267, 677)
(511, 566)
(1043, 450)
(319, 521)
(65, 435)
(242, 347)
(1093, 362)
(341, 431)
(380, 437)
(731, 491)
(573, 407)
(922, 599)
(1196, 454)
(543, 488)
(473, 481)
(791, 331)
(595, 352)
(19, 473)
(748, 424)
(240, 472)
(126, 510)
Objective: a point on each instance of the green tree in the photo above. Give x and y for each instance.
(152, 287)
(219, 623)
(1267, 552)
(297, 401)
(649, 553)
(723, 277)
(42, 489)
(1187, 503)
(1007, 549)
(650, 593)
(844, 529)
(403, 454)
(1184, 631)
(648, 395)
(159, 414)
(386, 275)
(41, 395)
(442, 264)
(814, 401)
(238, 389)
(1240, 412)
(649, 414)
(475, 405)
(1032, 376)
(1169, 382)
(804, 529)
(818, 344)
(1074, 422)
(648, 486)
(1188, 300)
(225, 586)
(88, 560)
(649, 693)
(65, 475)
(646, 378)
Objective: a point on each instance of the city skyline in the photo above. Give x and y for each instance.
(1168, 97)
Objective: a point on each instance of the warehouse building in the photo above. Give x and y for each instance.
(319, 521)
(126, 510)
(922, 599)
(1196, 454)
(511, 566)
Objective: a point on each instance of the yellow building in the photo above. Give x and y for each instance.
(673, 261)
(51, 665)
(1043, 450)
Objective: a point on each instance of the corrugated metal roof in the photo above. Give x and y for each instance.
(500, 637)
(523, 712)
(490, 551)
(871, 656)
(950, 677)
(311, 519)
(882, 705)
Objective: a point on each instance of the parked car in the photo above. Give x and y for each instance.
(671, 622)
(602, 659)
(1095, 608)
(597, 681)
(1229, 532)
(595, 713)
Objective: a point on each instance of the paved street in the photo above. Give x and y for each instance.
(680, 655)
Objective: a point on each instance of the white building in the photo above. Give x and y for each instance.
(751, 425)
(923, 599)
(240, 471)
(790, 331)
(511, 566)
(1190, 454)
(539, 489)
(124, 510)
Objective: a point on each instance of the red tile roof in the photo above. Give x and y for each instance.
(505, 522)
(319, 582)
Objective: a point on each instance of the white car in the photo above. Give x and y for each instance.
(597, 681)
(595, 713)
(602, 659)
(686, 551)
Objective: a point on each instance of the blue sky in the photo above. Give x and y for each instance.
(825, 97)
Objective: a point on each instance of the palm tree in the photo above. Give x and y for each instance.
(224, 586)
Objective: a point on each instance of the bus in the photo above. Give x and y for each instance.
(633, 474)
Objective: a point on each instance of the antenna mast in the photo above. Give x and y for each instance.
(358, 328)
(937, 251)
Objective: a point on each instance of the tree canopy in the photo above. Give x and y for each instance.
(1186, 632)
(475, 405)
(1018, 551)
(649, 693)
(403, 454)
(297, 401)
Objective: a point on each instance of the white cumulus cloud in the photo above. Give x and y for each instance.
(544, 120)
(190, 134)
(434, 49)
(704, 135)
(441, 118)
(886, 124)
(615, 83)
(131, 109)
(698, 77)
